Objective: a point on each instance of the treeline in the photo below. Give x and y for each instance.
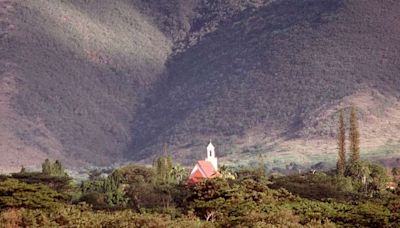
(354, 194)
(158, 196)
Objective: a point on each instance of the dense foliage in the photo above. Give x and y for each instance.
(16, 194)
(139, 196)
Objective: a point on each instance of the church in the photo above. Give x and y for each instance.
(205, 169)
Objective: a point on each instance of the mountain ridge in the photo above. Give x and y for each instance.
(101, 82)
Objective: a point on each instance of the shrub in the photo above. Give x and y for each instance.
(16, 194)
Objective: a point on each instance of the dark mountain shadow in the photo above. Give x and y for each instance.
(235, 78)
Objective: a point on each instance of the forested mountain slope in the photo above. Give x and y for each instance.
(108, 81)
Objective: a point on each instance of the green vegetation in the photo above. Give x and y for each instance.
(368, 178)
(354, 138)
(16, 194)
(341, 139)
(55, 169)
(139, 196)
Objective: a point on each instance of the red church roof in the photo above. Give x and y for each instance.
(197, 176)
(205, 169)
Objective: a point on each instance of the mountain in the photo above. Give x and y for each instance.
(99, 82)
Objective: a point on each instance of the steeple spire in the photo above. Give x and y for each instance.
(211, 155)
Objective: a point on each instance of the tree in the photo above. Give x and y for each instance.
(23, 170)
(260, 165)
(354, 138)
(57, 183)
(379, 178)
(16, 194)
(207, 198)
(46, 167)
(371, 178)
(178, 174)
(163, 166)
(341, 140)
(136, 174)
(233, 203)
(105, 192)
(55, 169)
(138, 186)
(360, 172)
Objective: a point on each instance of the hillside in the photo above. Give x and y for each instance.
(109, 81)
(79, 69)
(272, 79)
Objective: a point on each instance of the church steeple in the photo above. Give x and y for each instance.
(210, 150)
(211, 155)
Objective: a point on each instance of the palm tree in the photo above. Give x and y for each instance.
(178, 173)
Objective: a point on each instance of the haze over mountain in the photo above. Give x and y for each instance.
(102, 81)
